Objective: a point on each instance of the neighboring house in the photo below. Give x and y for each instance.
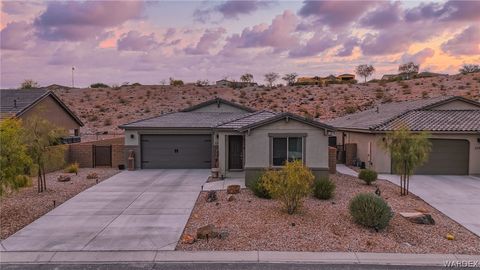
(346, 77)
(428, 74)
(221, 134)
(388, 77)
(43, 103)
(235, 84)
(453, 124)
(325, 80)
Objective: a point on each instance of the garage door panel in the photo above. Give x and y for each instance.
(450, 157)
(176, 151)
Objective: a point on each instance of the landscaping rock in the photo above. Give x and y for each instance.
(233, 189)
(421, 210)
(92, 175)
(188, 239)
(223, 234)
(230, 198)
(207, 231)
(212, 196)
(419, 218)
(63, 178)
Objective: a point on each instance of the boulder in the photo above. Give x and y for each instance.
(212, 196)
(418, 218)
(230, 198)
(223, 234)
(188, 239)
(92, 175)
(207, 231)
(233, 189)
(63, 178)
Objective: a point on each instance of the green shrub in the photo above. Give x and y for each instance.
(368, 176)
(23, 181)
(370, 211)
(258, 189)
(324, 188)
(72, 168)
(99, 85)
(289, 185)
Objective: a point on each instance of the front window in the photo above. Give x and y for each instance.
(286, 148)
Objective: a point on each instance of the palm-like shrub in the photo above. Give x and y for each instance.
(324, 188)
(370, 211)
(290, 185)
(368, 176)
(72, 168)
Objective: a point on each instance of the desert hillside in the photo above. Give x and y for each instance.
(103, 109)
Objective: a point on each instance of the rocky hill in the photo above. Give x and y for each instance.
(103, 109)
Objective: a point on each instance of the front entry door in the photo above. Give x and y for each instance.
(235, 152)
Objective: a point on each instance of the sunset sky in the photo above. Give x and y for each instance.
(133, 41)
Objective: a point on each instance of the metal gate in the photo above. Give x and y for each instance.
(102, 155)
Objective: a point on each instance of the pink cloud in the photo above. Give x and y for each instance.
(15, 36)
(419, 57)
(81, 20)
(207, 41)
(135, 41)
(465, 43)
(230, 9)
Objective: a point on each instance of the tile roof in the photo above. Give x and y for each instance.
(383, 112)
(23, 98)
(435, 120)
(186, 120)
(247, 120)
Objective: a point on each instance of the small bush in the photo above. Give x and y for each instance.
(23, 181)
(258, 189)
(72, 168)
(368, 176)
(290, 184)
(324, 188)
(370, 211)
(99, 85)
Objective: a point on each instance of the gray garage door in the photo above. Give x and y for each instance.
(447, 157)
(176, 151)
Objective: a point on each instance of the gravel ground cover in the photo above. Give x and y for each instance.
(21, 208)
(260, 224)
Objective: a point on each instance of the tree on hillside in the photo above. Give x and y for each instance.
(408, 151)
(43, 139)
(14, 159)
(271, 77)
(469, 68)
(409, 69)
(29, 84)
(290, 78)
(246, 78)
(364, 71)
(174, 82)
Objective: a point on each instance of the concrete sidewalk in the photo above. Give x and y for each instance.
(15, 257)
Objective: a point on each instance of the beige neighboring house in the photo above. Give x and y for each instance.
(43, 103)
(453, 123)
(224, 135)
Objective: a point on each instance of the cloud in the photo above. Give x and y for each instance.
(419, 57)
(207, 41)
(76, 21)
(334, 13)
(230, 9)
(15, 36)
(320, 42)
(385, 15)
(20, 7)
(348, 45)
(465, 43)
(135, 41)
(277, 35)
(453, 10)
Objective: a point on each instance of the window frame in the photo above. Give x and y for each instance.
(302, 136)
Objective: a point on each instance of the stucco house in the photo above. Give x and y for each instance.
(43, 103)
(453, 124)
(224, 135)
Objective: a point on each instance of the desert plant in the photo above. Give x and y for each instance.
(246, 78)
(370, 210)
(323, 188)
(29, 84)
(72, 168)
(290, 184)
(23, 181)
(368, 176)
(258, 189)
(271, 77)
(99, 85)
(409, 68)
(469, 68)
(408, 151)
(290, 78)
(365, 71)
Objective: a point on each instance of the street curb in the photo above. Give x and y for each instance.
(81, 257)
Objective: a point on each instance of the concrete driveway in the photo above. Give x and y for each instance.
(138, 210)
(456, 196)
